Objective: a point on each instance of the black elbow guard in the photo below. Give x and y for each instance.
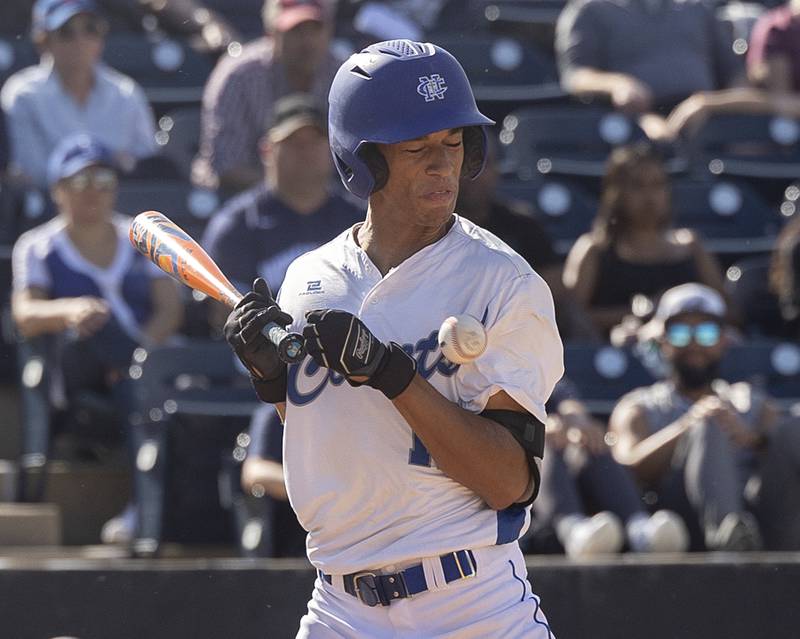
(529, 432)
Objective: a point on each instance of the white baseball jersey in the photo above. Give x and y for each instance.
(362, 485)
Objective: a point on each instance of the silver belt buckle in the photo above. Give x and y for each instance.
(366, 589)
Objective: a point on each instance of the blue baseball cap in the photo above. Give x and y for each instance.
(49, 15)
(75, 153)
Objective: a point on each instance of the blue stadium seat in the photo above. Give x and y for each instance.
(179, 138)
(756, 146)
(565, 140)
(772, 365)
(501, 68)
(564, 208)
(603, 374)
(194, 402)
(169, 70)
(730, 215)
(15, 54)
(186, 205)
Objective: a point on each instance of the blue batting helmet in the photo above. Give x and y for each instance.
(394, 91)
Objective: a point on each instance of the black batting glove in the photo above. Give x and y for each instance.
(243, 332)
(340, 341)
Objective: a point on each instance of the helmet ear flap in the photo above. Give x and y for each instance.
(373, 158)
(474, 139)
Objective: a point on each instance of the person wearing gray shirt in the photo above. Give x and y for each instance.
(644, 55)
(70, 91)
(719, 453)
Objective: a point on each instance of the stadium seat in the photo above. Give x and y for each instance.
(603, 374)
(194, 402)
(569, 140)
(179, 137)
(501, 68)
(168, 70)
(730, 215)
(186, 205)
(746, 283)
(759, 147)
(772, 365)
(564, 208)
(15, 54)
(244, 15)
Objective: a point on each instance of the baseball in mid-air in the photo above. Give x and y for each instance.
(462, 339)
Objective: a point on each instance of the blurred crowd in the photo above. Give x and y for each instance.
(646, 162)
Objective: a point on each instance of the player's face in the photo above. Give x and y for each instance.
(423, 177)
(88, 196)
(78, 43)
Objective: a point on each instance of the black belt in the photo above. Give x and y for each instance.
(373, 589)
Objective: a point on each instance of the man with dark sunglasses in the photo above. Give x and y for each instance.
(719, 453)
(72, 91)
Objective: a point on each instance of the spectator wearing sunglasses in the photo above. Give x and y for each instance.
(719, 453)
(81, 293)
(72, 91)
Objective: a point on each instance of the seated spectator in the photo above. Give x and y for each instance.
(78, 279)
(632, 248)
(294, 56)
(71, 91)
(773, 56)
(773, 71)
(579, 476)
(718, 453)
(293, 210)
(514, 223)
(784, 280)
(262, 477)
(644, 56)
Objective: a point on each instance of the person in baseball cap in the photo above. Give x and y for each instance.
(685, 437)
(76, 153)
(294, 112)
(51, 15)
(285, 15)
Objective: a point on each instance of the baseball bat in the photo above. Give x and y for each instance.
(174, 251)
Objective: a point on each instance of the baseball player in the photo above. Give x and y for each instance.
(413, 476)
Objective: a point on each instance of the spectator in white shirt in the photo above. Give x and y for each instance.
(72, 91)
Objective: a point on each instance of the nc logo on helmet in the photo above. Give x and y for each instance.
(432, 87)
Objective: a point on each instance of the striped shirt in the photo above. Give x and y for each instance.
(237, 108)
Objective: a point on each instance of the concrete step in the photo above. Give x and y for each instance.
(30, 524)
(87, 495)
(10, 420)
(8, 480)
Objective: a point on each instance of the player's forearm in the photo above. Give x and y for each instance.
(472, 450)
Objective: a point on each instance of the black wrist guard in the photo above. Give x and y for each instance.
(271, 391)
(395, 372)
